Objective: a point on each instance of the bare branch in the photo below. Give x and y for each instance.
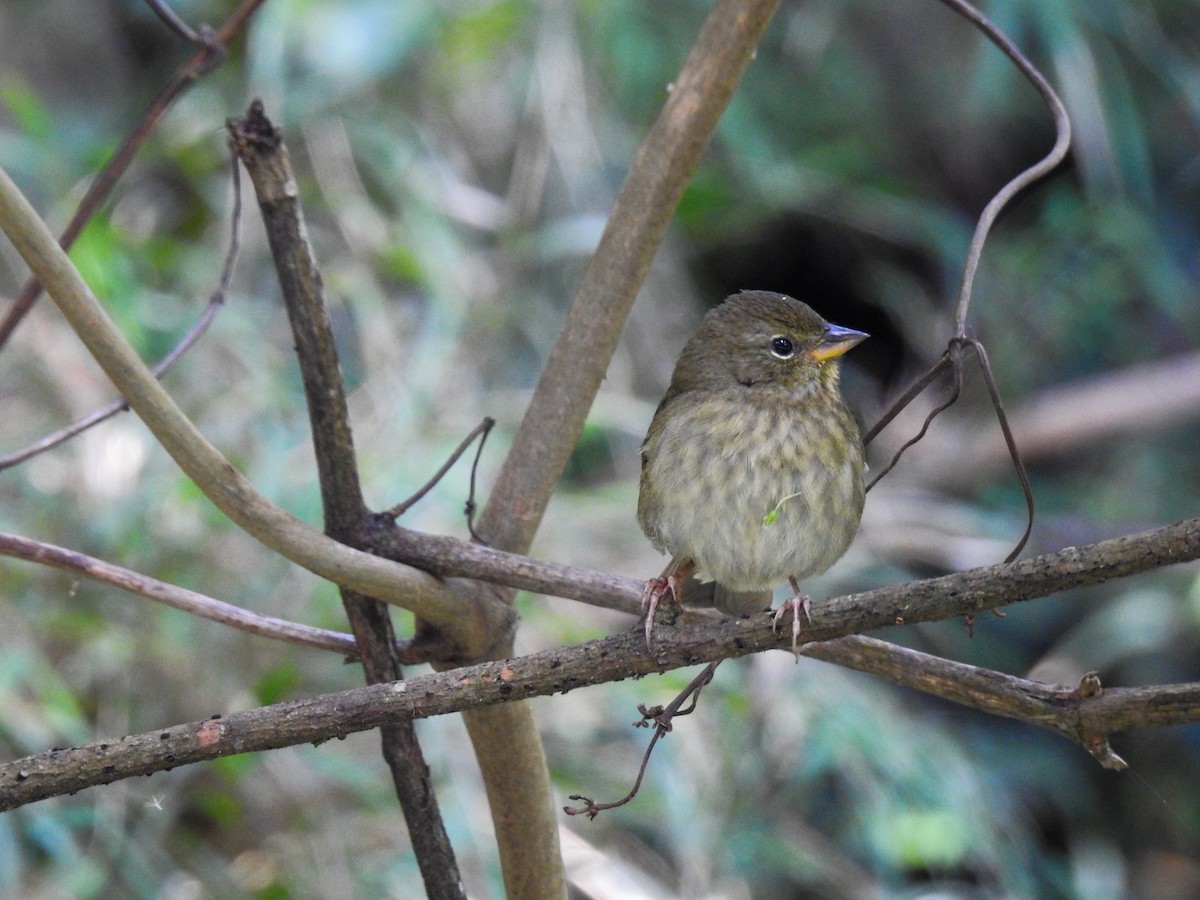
(1050, 706)
(449, 557)
(227, 488)
(572, 375)
(663, 719)
(181, 598)
(985, 367)
(479, 431)
(1062, 143)
(215, 302)
(947, 361)
(260, 147)
(177, 25)
(1069, 711)
(953, 355)
(656, 180)
(1062, 419)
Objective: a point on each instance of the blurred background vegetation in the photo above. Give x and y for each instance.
(457, 161)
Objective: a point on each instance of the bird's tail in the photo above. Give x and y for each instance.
(709, 594)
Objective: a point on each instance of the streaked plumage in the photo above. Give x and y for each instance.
(744, 425)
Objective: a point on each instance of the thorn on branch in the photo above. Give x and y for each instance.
(1095, 741)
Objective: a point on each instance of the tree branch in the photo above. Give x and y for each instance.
(505, 739)
(660, 172)
(1075, 715)
(203, 61)
(215, 302)
(227, 488)
(259, 145)
(180, 598)
(1081, 715)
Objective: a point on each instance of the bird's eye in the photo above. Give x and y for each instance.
(782, 347)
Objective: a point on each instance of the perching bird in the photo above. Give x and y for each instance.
(752, 469)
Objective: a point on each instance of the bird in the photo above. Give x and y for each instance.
(752, 470)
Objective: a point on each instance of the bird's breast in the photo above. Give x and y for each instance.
(753, 494)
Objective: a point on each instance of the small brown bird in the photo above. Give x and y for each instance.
(752, 470)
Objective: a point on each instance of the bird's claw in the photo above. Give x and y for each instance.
(658, 590)
(798, 603)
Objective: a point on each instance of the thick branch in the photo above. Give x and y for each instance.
(260, 147)
(227, 488)
(556, 413)
(1022, 580)
(647, 201)
(625, 655)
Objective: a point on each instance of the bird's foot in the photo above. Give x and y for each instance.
(799, 603)
(660, 589)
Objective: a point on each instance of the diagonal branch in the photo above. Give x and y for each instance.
(260, 147)
(203, 61)
(178, 597)
(227, 488)
(572, 375)
(215, 302)
(645, 206)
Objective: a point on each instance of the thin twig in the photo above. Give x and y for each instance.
(950, 358)
(953, 357)
(1062, 143)
(215, 302)
(220, 481)
(483, 428)
(663, 719)
(180, 598)
(914, 391)
(202, 62)
(172, 21)
(985, 368)
(469, 509)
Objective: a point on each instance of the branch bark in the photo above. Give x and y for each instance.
(259, 146)
(505, 739)
(661, 170)
(1086, 716)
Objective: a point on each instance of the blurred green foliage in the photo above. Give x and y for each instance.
(456, 164)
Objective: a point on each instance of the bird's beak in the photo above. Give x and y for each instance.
(836, 341)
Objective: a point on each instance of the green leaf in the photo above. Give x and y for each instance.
(769, 518)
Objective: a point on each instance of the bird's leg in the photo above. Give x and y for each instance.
(799, 602)
(662, 587)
